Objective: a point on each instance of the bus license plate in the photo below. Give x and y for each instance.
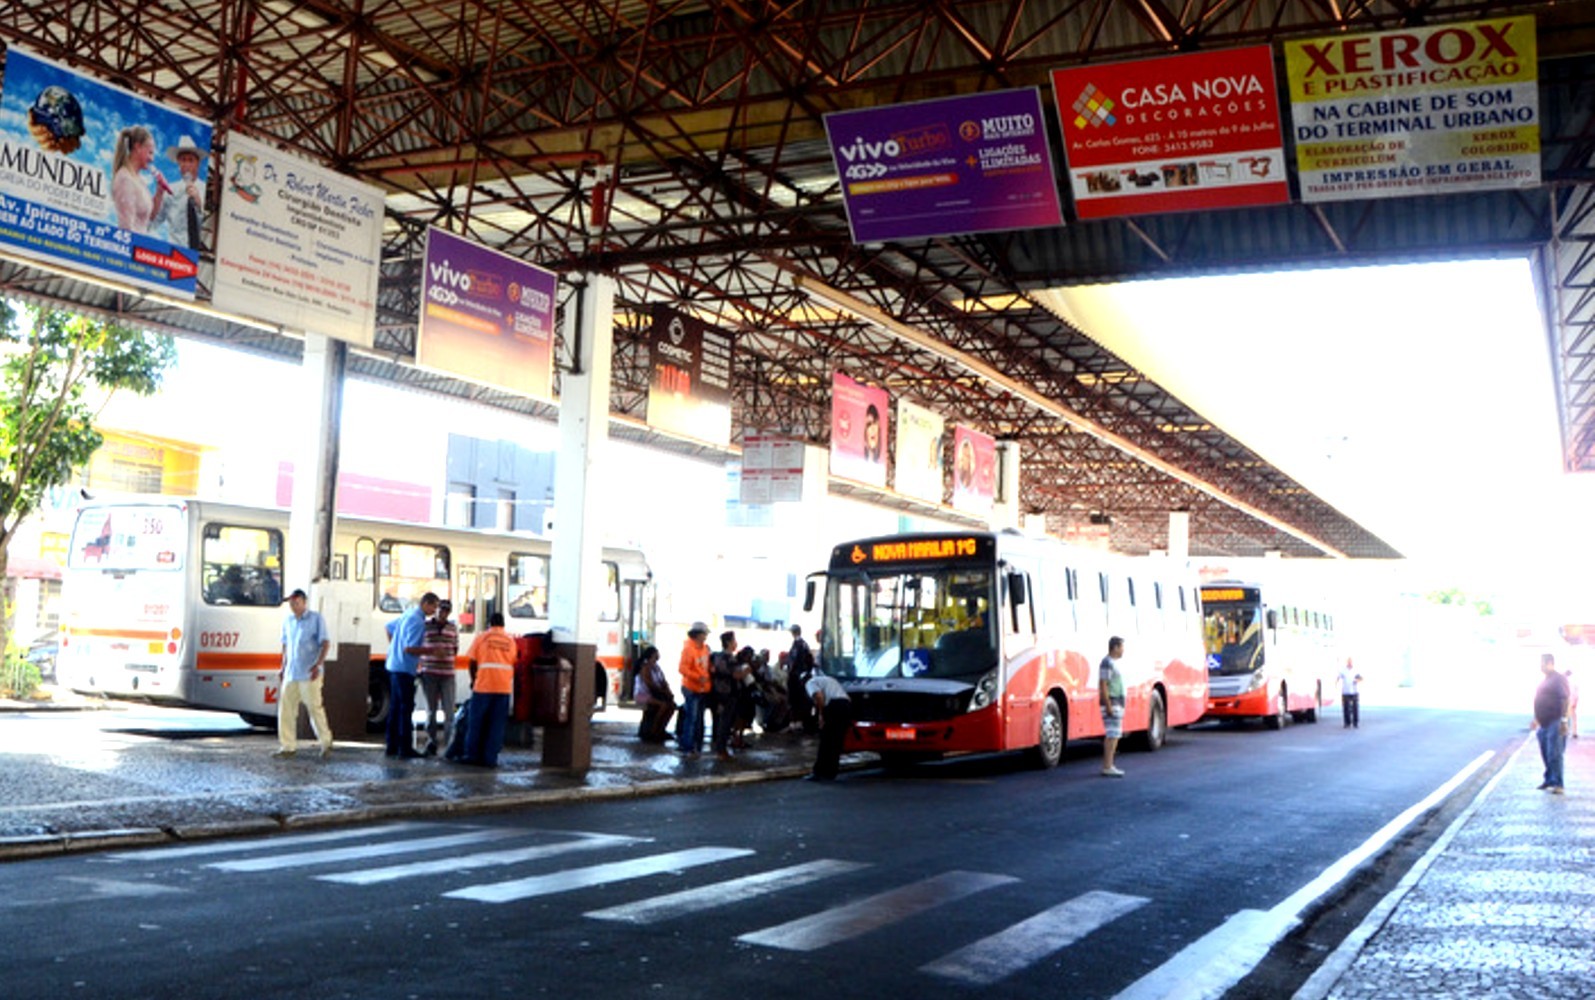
(899, 734)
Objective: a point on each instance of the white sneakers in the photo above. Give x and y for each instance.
(1112, 772)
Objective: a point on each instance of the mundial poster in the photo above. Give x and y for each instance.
(972, 164)
(1416, 111)
(1175, 134)
(93, 178)
(689, 390)
(297, 244)
(486, 316)
(860, 420)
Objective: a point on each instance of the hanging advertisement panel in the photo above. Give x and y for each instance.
(486, 317)
(772, 468)
(919, 468)
(297, 245)
(973, 164)
(860, 421)
(689, 391)
(97, 179)
(1175, 134)
(974, 470)
(1416, 111)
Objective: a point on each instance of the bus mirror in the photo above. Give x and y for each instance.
(808, 596)
(1273, 618)
(1016, 588)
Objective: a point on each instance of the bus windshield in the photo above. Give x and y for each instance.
(135, 537)
(928, 623)
(1233, 636)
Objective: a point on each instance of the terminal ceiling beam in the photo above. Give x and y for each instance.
(678, 147)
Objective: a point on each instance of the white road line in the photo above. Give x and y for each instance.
(262, 844)
(360, 852)
(1210, 965)
(733, 891)
(1027, 942)
(580, 878)
(470, 862)
(865, 915)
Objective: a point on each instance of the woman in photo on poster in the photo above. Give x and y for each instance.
(135, 153)
(872, 434)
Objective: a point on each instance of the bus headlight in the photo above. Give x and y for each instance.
(985, 692)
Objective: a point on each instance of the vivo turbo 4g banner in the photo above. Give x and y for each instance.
(96, 179)
(970, 164)
(1416, 111)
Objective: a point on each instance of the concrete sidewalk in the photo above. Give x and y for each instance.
(146, 782)
(1503, 905)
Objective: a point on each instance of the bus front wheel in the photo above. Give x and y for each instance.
(1048, 751)
(378, 695)
(1281, 712)
(1157, 724)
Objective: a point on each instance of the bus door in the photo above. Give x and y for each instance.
(477, 597)
(1023, 661)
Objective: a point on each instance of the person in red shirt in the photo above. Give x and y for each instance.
(492, 658)
(695, 688)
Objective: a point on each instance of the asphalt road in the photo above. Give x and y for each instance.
(971, 877)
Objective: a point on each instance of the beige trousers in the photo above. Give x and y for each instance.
(293, 692)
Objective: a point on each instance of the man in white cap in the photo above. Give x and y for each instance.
(184, 211)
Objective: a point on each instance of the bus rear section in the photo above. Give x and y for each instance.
(123, 627)
(1259, 668)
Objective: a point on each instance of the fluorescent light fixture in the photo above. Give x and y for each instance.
(842, 301)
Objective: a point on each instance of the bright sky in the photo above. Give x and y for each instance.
(1419, 400)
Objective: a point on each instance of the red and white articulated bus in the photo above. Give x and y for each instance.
(180, 601)
(1269, 663)
(978, 641)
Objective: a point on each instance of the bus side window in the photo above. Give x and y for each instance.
(241, 567)
(365, 557)
(609, 611)
(528, 586)
(406, 570)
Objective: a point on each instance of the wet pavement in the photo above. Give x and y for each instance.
(1503, 905)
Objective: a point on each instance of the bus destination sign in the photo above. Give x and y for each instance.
(1212, 595)
(887, 551)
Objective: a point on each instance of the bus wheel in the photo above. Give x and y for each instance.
(1281, 712)
(1311, 714)
(1048, 751)
(378, 695)
(1157, 725)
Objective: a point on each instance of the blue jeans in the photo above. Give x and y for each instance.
(1552, 743)
(689, 726)
(401, 713)
(484, 728)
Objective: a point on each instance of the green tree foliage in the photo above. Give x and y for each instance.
(1456, 597)
(52, 364)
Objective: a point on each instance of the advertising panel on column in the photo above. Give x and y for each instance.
(1416, 111)
(973, 164)
(860, 421)
(96, 179)
(921, 434)
(297, 245)
(974, 471)
(772, 468)
(486, 316)
(1176, 134)
(689, 392)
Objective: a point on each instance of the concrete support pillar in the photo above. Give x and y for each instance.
(1005, 512)
(315, 496)
(1179, 535)
(576, 579)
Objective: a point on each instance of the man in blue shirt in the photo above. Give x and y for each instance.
(406, 639)
(304, 652)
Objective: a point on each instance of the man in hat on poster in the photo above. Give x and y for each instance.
(184, 210)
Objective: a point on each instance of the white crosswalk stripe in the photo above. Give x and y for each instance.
(274, 843)
(581, 878)
(842, 922)
(360, 852)
(1001, 955)
(486, 859)
(732, 891)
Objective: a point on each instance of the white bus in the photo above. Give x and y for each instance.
(180, 601)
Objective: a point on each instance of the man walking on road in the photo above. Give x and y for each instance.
(406, 639)
(1550, 718)
(304, 651)
(1350, 702)
(1110, 698)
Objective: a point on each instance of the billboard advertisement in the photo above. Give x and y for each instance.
(921, 437)
(97, 179)
(297, 245)
(974, 470)
(772, 468)
(861, 418)
(486, 317)
(1417, 110)
(689, 390)
(1176, 134)
(972, 164)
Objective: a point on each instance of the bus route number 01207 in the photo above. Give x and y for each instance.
(218, 640)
